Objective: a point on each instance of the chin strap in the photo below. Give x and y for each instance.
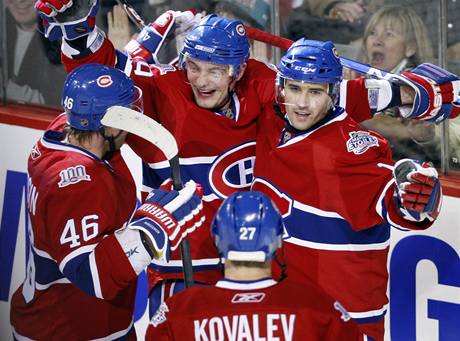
(111, 140)
(282, 265)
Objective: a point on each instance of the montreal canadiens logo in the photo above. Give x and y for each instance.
(360, 141)
(240, 30)
(104, 81)
(233, 170)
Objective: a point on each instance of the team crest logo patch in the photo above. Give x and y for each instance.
(360, 141)
(73, 175)
(104, 81)
(233, 170)
(249, 297)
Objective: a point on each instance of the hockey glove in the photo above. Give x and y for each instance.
(436, 93)
(67, 18)
(166, 26)
(166, 217)
(418, 193)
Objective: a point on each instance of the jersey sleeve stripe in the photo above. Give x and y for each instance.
(95, 276)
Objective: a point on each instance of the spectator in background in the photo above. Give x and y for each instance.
(118, 27)
(429, 138)
(254, 13)
(323, 20)
(34, 71)
(396, 40)
(430, 13)
(346, 10)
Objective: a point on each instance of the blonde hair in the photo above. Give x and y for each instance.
(413, 28)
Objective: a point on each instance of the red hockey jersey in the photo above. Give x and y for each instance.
(79, 284)
(334, 187)
(259, 310)
(216, 151)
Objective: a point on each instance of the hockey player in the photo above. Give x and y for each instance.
(211, 106)
(208, 105)
(336, 185)
(248, 304)
(84, 259)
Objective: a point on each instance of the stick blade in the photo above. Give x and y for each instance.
(143, 126)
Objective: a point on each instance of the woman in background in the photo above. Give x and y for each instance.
(396, 40)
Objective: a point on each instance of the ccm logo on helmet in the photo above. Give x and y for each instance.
(104, 81)
(205, 48)
(304, 69)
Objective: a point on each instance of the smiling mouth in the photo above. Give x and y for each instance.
(205, 93)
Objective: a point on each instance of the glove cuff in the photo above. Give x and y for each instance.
(153, 237)
(83, 46)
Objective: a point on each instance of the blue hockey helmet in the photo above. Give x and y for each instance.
(91, 89)
(311, 61)
(247, 227)
(217, 40)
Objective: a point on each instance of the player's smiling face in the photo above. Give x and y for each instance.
(306, 103)
(211, 83)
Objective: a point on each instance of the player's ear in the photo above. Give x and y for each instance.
(241, 71)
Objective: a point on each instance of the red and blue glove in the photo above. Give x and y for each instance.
(418, 193)
(66, 18)
(436, 93)
(167, 217)
(149, 42)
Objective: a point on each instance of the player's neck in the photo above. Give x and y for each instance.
(244, 273)
(94, 145)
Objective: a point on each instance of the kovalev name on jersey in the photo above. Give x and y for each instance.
(260, 310)
(252, 327)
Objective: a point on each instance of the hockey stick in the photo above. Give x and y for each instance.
(284, 43)
(143, 126)
(187, 267)
(273, 40)
(132, 14)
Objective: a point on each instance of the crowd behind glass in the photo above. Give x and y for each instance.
(394, 35)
